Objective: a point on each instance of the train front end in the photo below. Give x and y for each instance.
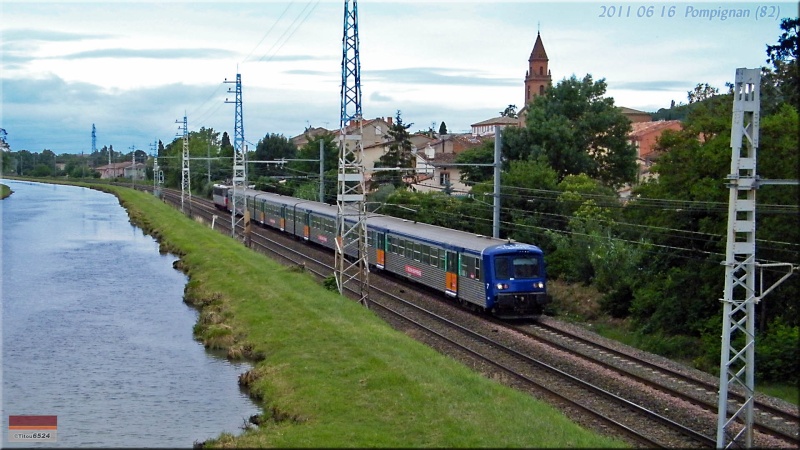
(515, 281)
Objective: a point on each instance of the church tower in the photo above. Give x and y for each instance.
(537, 78)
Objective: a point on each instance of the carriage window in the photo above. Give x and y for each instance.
(370, 239)
(409, 250)
(426, 254)
(470, 267)
(417, 252)
(526, 267)
(501, 268)
(509, 267)
(381, 240)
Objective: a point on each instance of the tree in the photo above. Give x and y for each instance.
(442, 128)
(482, 154)
(140, 156)
(684, 212)
(4, 143)
(702, 91)
(272, 147)
(510, 111)
(398, 154)
(577, 130)
(784, 58)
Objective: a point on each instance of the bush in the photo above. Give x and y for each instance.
(778, 354)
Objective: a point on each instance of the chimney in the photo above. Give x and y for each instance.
(389, 121)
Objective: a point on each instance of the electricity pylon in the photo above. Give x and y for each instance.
(186, 181)
(351, 218)
(239, 155)
(741, 294)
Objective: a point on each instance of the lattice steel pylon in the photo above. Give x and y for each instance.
(351, 237)
(157, 178)
(239, 178)
(186, 180)
(742, 293)
(735, 422)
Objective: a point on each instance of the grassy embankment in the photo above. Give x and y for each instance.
(329, 373)
(5, 191)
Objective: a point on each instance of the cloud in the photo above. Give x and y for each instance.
(437, 75)
(21, 34)
(49, 112)
(292, 58)
(378, 97)
(161, 53)
(668, 85)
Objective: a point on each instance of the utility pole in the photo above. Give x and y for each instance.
(186, 181)
(352, 233)
(156, 170)
(498, 145)
(133, 166)
(322, 171)
(741, 294)
(239, 155)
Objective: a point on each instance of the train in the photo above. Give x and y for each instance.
(504, 278)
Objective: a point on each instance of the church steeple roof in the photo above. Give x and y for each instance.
(538, 52)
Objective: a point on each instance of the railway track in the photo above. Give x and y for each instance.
(772, 421)
(604, 408)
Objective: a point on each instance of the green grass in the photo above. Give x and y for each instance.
(789, 393)
(330, 373)
(5, 191)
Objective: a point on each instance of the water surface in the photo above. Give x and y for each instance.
(94, 329)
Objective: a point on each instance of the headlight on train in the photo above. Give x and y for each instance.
(539, 285)
(501, 286)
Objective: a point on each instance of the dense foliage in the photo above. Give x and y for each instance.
(578, 130)
(656, 259)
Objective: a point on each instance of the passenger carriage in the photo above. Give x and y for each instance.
(505, 278)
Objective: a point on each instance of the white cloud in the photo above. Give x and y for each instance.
(133, 68)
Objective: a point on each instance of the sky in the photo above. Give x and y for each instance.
(133, 69)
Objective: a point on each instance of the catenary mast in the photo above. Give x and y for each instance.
(351, 237)
(239, 155)
(742, 293)
(186, 181)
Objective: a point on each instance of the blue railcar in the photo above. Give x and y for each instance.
(505, 278)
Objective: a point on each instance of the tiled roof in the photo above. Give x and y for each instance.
(441, 158)
(502, 120)
(625, 110)
(641, 128)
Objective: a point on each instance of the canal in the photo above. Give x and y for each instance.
(95, 332)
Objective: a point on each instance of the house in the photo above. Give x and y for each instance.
(433, 174)
(301, 140)
(122, 169)
(454, 143)
(644, 136)
(486, 127)
(635, 116)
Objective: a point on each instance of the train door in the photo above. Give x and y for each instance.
(307, 225)
(262, 211)
(283, 218)
(451, 273)
(380, 247)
